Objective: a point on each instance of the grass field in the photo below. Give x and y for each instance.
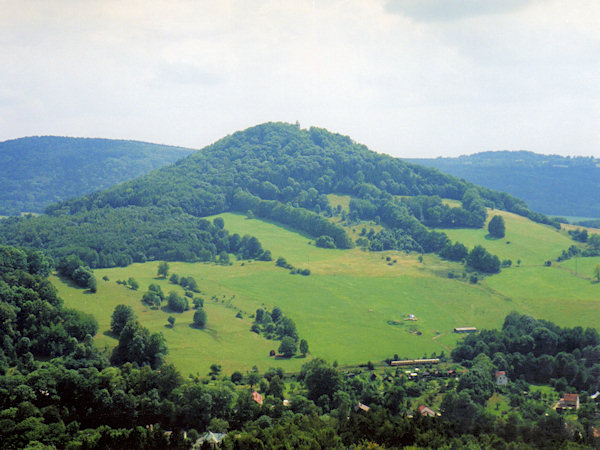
(353, 305)
(530, 242)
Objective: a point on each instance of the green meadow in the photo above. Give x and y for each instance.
(353, 306)
(530, 242)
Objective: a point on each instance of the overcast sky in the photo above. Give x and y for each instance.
(411, 78)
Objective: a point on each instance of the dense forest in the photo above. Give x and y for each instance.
(57, 389)
(38, 171)
(277, 171)
(550, 184)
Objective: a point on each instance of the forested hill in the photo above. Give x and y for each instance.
(38, 171)
(550, 184)
(276, 171)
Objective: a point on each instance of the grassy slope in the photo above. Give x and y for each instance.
(344, 306)
(530, 242)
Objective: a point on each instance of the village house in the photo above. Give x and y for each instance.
(569, 401)
(257, 397)
(465, 330)
(501, 378)
(210, 439)
(425, 411)
(361, 407)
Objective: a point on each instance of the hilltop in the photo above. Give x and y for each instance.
(278, 172)
(551, 184)
(38, 171)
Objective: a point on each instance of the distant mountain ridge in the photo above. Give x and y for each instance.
(551, 184)
(37, 171)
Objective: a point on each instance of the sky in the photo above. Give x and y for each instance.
(409, 78)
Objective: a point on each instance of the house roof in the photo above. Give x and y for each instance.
(571, 398)
(211, 438)
(499, 373)
(425, 411)
(363, 407)
(257, 397)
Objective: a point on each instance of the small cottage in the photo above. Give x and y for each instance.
(501, 378)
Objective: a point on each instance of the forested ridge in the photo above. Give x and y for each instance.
(57, 389)
(551, 184)
(38, 171)
(275, 170)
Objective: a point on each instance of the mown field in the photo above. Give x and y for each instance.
(352, 307)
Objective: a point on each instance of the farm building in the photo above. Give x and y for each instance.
(569, 401)
(465, 330)
(414, 362)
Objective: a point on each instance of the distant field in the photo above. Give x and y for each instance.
(530, 242)
(353, 305)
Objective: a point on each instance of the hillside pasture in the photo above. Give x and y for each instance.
(530, 242)
(352, 308)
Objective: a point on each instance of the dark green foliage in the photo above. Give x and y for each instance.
(496, 227)
(454, 252)
(79, 324)
(72, 267)
(177, 303)
(109, 237)
(137, 345)
(189, 283)
(480, 259)
(120, 316)
(539, 351)
(320, 379)
(275, 171)
(198, 302)
(73, 399)
(579, 235)
(41, 170)
(171, 321)
(163, 269)
(325, 242)
(303, 346)
(200, 318)
(133, 284)
(288, 347)
(535, 178)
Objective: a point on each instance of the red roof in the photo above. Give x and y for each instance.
(499, 373)
(571, 398)
(257, 398)
(425, 411)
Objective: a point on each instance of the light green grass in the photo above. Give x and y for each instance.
(344, 308)
(530, 242)
(498, 405)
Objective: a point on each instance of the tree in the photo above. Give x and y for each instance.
(597, 273)
(171, 321)
(496, 227)
(174, 278)
(288, 347)
(200, 318)
(163, 269)
(177, 303)
(133, 284)
(480, 259)
(303, 347)
(320, 379)
(121, 315)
